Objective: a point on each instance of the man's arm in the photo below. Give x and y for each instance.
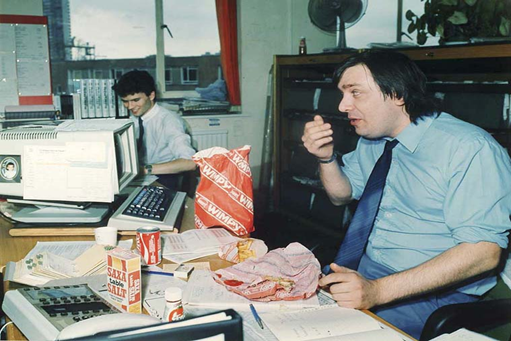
(172, 167)
(352, 290)
(317, 138)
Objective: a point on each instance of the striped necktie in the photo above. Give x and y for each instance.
(355, 241)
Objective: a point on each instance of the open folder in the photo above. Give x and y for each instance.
(225, 325)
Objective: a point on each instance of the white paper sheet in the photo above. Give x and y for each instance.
(196, 241)
(70, 250)
(326, 323)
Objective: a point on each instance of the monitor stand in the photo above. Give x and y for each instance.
(63, 215)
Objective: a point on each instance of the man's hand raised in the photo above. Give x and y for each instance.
(317, 138)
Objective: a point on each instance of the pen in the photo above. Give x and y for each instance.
(158, 273)
(256, 316)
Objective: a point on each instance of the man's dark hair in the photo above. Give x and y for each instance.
(397, 77)
(134, 82)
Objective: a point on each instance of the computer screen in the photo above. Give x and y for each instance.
(74, 161)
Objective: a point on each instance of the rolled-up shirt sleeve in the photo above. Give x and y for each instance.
(477, 206)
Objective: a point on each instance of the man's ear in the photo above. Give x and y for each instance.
(400, 102)
(152, 95)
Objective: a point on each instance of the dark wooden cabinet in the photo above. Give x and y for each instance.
(303, 87)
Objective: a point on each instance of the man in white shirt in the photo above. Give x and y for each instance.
(164, 146)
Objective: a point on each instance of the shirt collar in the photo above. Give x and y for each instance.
(412, 134)
(151, 113)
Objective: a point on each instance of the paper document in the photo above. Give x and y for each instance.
(326, 323)
(463, 335)
(70, 250)
(71, 171)
(196, 241)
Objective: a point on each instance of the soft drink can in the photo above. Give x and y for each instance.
(149, 245)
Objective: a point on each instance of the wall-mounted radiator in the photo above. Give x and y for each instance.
(204, 139)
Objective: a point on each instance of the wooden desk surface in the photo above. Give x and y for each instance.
(14, 248)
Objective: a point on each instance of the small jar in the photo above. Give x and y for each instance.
(174, 306)
(302, 48)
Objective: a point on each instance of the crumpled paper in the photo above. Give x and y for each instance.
(290, 273)
(241, 250)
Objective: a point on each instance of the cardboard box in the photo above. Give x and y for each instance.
(124, 279)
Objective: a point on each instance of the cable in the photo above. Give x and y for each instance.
(5, 325)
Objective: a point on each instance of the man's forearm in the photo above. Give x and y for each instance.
(454, 265)
(173, 167)
(336, 184)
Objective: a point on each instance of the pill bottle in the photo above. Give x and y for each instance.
(174, 306)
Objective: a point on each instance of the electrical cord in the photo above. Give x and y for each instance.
(5, 325)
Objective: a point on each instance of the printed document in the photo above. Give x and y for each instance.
(197, 241)
(326, 323)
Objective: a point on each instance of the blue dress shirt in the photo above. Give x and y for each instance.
(449, 183)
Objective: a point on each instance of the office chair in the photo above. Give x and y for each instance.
(476, 316)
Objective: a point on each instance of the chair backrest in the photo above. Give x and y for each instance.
(477, 316)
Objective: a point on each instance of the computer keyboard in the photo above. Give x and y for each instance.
(149, 206)
(151, 203)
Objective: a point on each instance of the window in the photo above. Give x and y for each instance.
(100, 36)
(189, 75)
(194, 46)
(168, 77)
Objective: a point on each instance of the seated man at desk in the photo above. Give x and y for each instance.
(433, 211)
(163, 145)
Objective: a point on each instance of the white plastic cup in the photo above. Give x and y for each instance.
(106, 236)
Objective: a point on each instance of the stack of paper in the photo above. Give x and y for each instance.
(59, 260)
(193, 244)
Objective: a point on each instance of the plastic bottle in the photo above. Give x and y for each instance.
(302, 48)
(174, 306)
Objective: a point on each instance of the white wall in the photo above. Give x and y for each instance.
(21, 7)
(267, 28)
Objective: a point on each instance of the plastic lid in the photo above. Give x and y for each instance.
(173, 294)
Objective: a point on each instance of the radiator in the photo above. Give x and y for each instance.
(204, 139)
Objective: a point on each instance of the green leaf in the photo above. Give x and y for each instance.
(458, 18)
(440, 30)
(504, 27)
(470, 2)
(421, 38)
(448, 2)
(411, 27)
(409, 15)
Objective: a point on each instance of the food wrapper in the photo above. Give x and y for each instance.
(288, 274)
(241, 250)
(224, 194)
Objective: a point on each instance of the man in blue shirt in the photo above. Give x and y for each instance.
(444, 215)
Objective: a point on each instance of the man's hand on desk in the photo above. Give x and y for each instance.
(350, 289)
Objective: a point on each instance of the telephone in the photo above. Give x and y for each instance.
(106, 323)
(42, 313)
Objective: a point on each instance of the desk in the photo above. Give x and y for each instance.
(15, 248)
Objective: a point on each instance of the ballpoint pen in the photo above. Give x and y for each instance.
(256, 316)
(158, 273)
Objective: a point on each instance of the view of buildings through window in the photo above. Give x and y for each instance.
(98, 39)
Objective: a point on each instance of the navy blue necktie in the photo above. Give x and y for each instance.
(355, 241)
(140, 142)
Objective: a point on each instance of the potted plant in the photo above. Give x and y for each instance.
(461, 20)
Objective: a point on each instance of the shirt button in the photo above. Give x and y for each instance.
(388, 215)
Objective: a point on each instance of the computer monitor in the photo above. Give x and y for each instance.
(71, 169)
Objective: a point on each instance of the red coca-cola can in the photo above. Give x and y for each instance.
(149, 245)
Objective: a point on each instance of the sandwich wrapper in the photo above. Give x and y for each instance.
(288, 274)
(241, 250)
